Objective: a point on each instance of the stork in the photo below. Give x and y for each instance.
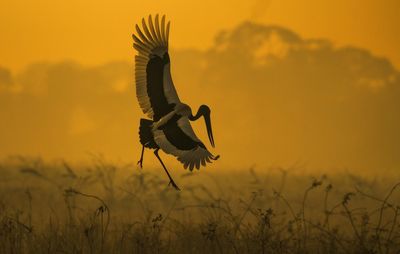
(168, 128)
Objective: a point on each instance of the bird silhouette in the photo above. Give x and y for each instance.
(169, 127)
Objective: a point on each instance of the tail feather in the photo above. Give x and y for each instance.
(146, 135)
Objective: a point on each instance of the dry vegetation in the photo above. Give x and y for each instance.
(106, 208)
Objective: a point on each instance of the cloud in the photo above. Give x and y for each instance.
(286, 98)
(66, 109)
(276, 98)
(5, 76)
(6, 80)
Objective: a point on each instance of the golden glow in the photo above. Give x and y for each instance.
(94, 32)
(87, 104)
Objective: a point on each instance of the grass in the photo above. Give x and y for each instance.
(106, 208)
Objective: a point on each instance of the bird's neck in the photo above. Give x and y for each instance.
(197, 116)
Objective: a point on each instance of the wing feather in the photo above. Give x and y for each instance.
(141, 49)
(167, 33)
(143, 37)
(203, 162)
(153, 32)
(164, 40)
(140, 43)
(191, 157)
(159, 37)
(155, 89)
(147, 32)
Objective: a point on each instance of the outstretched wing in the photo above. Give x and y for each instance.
(178, 138)
(154, 87)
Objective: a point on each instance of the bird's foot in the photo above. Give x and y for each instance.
(171, 182)
(140, 163)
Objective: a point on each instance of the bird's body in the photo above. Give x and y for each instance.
(169, 128)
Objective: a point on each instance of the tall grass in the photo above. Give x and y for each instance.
(106, 208)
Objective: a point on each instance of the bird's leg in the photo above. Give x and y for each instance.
(140, 162)
(171, 181)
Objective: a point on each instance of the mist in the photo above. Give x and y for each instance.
(276, 99)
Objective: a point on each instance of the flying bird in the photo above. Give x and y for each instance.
(168, 127)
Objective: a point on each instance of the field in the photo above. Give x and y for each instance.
(101, 207)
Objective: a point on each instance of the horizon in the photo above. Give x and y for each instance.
(319, 101)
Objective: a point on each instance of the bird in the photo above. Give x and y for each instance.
(168, 125)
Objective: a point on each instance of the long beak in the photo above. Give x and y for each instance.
(209, 129)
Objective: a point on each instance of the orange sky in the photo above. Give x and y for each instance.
(94, 32)
(332, 106)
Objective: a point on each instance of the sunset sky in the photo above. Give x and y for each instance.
(289, 82)
(94, 32)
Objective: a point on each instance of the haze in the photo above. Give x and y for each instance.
(289, 82)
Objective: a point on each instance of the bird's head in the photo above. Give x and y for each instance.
(205, 111)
